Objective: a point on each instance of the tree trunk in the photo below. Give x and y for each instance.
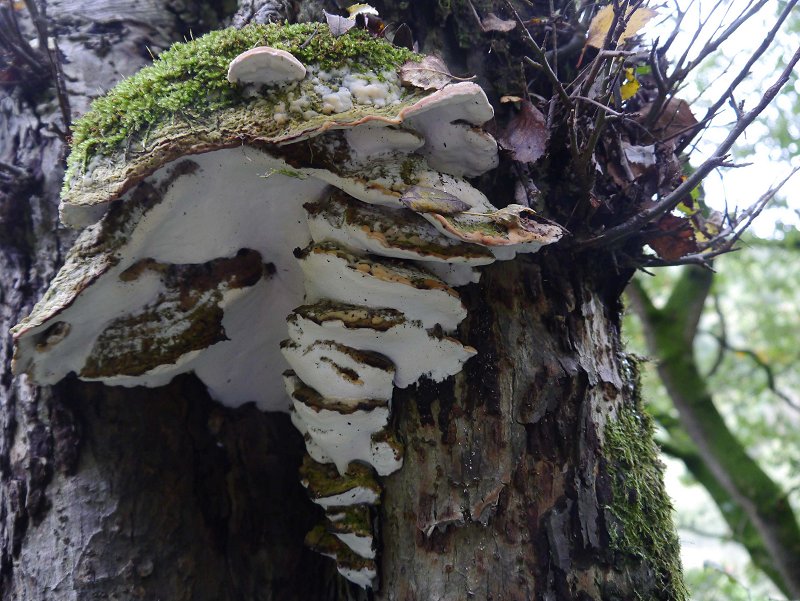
(530, 475)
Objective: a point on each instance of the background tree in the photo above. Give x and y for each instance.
(531, 475)
(739, 346)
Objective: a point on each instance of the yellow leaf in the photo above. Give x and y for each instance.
(604, 19)
(631, 85)
(364, 9)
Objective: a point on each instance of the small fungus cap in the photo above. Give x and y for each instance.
(265, 66)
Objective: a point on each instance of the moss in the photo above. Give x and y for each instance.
(322, 541)
(354, 519)
(643, 526)
(469, 226)
(189, 80)
(323, 479)
(408, 169)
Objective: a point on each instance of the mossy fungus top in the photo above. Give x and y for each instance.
(184, 104)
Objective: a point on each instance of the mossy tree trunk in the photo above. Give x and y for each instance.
(531, 475)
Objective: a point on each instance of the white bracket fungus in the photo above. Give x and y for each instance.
(205, 239)
(265, 66)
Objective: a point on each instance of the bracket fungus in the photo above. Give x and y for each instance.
(218, 221)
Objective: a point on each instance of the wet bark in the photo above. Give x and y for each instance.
(509, 491)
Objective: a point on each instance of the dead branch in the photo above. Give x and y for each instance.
(669, 202)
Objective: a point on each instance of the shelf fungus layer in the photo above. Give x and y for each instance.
(270, 173)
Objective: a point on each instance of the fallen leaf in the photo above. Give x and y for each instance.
(636, 18)
(429, 74)
(432, 200)
(492, 22)
(403, 37)
(339, 25)
(526, 134)
(527, 219)
(674, 239)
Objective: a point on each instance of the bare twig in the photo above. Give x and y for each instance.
(762, 365)
(542, 60)
(723, 334)
(600, 105)
(729, 236)
(38, 12)
(745, 71)
(680, 70)
(635, 223)
(711, 46)
(13, 41)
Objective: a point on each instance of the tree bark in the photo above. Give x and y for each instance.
(530, 475)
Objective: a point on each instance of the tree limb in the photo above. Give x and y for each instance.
(669, 202)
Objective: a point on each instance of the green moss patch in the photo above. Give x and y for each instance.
(189, 80)
(643, 527)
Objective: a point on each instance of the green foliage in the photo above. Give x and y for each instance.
(190, 79)
(713, 584)
(754, 312)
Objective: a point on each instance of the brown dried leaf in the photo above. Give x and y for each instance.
(526, 134)
(674, 239)
(527, 219)
(676, 118)
(492, 22)
(604, 19)
(403, 37)
(429, 74)
(432, 200)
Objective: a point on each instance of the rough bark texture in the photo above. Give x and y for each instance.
(517, 482)
(507, 473)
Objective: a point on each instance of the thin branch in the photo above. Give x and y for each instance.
(634, 224)
(600, 105)
(543, 64)
(745, 71)
(714, 44)
(678, 22)
(39, 18)
(731, 235)
(680, 71)
(763, 365)
(723, 334)
(597, 63)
